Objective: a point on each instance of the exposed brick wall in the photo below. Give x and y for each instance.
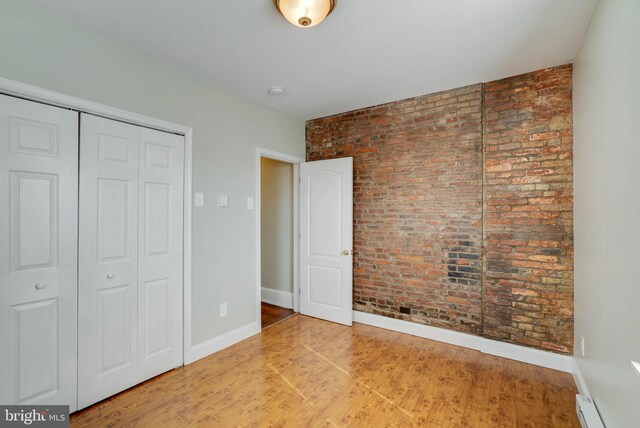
(417, 204)
(529, 209)
(419, 229)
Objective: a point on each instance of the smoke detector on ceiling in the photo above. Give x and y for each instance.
(276, 90)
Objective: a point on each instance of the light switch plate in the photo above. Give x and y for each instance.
(224, 201)
(250, 203)
(199, 199)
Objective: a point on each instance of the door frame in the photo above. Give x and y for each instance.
(295, 161)
(41, 95)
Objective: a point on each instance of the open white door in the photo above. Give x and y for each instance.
(326, 239)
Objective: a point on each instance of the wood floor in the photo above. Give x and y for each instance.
(271, 314)
(303, 372)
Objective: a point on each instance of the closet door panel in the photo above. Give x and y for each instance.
(108, 265)
(131, 222)
(38, 253)
(160, 255)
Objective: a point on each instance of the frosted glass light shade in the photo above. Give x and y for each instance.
(305, 13)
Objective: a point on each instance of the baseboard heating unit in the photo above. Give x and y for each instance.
(587, 412)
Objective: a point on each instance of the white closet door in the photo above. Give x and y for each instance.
(38, 232)
(131, 256)
(108, 268)
(160, 258)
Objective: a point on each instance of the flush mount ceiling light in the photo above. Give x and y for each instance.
(305, 13)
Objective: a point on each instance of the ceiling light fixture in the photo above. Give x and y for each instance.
(305, 13)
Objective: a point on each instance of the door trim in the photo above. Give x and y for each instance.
(34, 93)
(296, 161)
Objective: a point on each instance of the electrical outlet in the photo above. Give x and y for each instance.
(582, 344)
(223, 310)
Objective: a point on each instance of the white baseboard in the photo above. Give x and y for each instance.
(219, 343)
(488, 346)
(580, 382)
(277, 297)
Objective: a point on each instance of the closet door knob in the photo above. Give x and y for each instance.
(40, 286)
(110, 276)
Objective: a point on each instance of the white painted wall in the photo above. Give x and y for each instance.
(43, 50)
(276, 224)
(607, 210)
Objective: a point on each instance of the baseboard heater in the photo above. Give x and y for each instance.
(587, 412)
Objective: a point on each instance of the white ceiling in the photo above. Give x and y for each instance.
(366, 52)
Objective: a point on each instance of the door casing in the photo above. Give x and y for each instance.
(295, 161)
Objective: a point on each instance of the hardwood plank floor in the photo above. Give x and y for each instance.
(271, 314)
(307, 372)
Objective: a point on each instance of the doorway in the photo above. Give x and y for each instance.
(277, 228)
(323, 225)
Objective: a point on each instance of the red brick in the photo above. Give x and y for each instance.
(421, 222)
(418, 196)
(547, 263)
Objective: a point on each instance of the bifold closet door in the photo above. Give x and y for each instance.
(160, 252)
(38, 257)
(130, 264)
